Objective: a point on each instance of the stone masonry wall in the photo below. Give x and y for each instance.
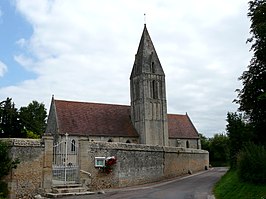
(180, 161)
(136, 164)
(139, 164)
(26, 179)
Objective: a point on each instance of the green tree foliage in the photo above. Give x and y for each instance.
(252, 97)
(29, 121)
(10, 125)
(32, 135)
(33, 118)
(238, 131)
(205, 143)
(6, 164)
(251, 164)
(219, 150)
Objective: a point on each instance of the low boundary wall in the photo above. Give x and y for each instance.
(136, 164)
(27, 178)
(139, 164)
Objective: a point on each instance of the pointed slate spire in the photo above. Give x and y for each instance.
(148, 96)
(146, 59)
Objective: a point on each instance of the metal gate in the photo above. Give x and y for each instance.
(65, 162)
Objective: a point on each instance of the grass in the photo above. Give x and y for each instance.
(230, 187)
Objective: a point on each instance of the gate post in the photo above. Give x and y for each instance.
(85, 175)
(47, 162)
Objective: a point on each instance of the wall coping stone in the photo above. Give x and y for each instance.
(124, 146)
(22, 142)
(184, 150)
(142, 147)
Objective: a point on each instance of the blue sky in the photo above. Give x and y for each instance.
(84, 50)
(13, 27)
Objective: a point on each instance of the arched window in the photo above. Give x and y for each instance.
(187, 144)
(110, 140)
(128, 141)
(73, 145)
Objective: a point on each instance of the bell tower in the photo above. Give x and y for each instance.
(148, 95)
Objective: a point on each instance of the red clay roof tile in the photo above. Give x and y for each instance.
(180, 126)
(82, 118)
(95, 119)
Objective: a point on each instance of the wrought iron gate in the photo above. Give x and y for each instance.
(65, 162)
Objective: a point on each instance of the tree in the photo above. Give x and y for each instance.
(6, 164)
(205, 143)
(33, 118)
(219, 149)
(251, 163)
(239, 133)
(252, 97)
(10, 125)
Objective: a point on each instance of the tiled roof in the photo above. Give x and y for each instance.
(95, 119)
(180, 126)
(81, 118)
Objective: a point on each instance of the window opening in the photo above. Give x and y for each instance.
(154, 90)
(187, 144)
(152, 67)
(73, 145)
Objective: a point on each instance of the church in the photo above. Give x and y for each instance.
(145, 121)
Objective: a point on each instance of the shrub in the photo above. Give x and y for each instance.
(251, 164)
(6, 164)
(32, 135)
(3, 190)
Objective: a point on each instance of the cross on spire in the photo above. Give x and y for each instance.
(144, 18)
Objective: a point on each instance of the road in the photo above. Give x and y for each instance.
(197, 186)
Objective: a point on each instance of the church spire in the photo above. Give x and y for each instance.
(148, 95)
(146, 59)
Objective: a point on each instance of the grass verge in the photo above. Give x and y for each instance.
(230, 187)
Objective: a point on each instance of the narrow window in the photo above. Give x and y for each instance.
(187, 144)
(154, 90)
(137, 90)
(160, 90)
(73, 145)
(152, 67)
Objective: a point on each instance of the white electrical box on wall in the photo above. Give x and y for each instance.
(99, 161)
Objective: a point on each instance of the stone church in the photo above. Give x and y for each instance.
(145, 121)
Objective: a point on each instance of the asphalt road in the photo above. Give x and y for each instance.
(197, 186)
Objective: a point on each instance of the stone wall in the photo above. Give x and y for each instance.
(26, 179)
(136, 164)
(185, 143)
(180, 161)
(139, 164)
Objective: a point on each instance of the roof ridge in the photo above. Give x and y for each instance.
(81, 102)
(176, 114)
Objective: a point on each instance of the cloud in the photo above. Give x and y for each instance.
(85, 51)
(3, 69)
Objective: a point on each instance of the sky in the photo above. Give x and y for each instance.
(84, 51)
